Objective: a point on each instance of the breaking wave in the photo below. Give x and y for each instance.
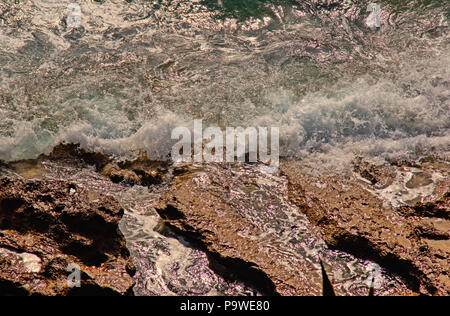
(383, 114)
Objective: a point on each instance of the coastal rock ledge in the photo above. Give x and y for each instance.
(411, 240)
(255, 224)
(45, 226)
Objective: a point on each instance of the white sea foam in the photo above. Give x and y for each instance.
(152, 137)
(406, 115)
(380, 119)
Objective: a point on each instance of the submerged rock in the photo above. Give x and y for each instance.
(140, 171)
(419, 179)
(47, 225)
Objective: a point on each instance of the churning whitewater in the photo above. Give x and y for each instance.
(335, 86)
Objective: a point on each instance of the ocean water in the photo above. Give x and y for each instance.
(319, 70)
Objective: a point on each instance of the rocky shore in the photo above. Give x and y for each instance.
(268, 232)
(412, 240)
(47, 225)
(362, 109)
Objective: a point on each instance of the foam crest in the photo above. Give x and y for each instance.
(407, 116)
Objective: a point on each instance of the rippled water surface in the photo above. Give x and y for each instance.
(319, 70)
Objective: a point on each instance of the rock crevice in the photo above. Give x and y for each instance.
(47, 225)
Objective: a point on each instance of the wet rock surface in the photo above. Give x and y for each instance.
(47, 225)
(165, 263)
(353, 219)
(140, 171)
(222, 229)
(419, 179)
(242, 219)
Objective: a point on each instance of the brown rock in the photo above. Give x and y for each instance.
(117, 175)
(354, 220)
(439, 207)
(207, 218)
(241, 218)
(381, 176)
(141, 171)
(47, 225)
(135, 172)
(73, 153)
(148, 171)
(419, 179)
(433, 228)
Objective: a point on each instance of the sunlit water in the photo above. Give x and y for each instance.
(333, 84)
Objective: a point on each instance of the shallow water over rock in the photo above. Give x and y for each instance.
(167, 263)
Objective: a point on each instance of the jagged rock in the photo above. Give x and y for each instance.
(433, 228)
(381, 176)
(435, 204)
(354, 220)
(438, 208)
(73, 153)
(149, 172)
(118, 175)
(47, 225)
(141, 171)
(243, 221)
(137, 174)
(206, 218)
